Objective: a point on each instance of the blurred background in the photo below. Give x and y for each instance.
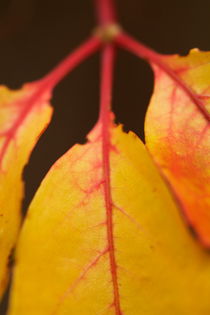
(36, 34)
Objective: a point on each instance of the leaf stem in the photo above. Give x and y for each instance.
(105, 12)
(44, 86)
(76, 57)
(107, 65)
(137, 48)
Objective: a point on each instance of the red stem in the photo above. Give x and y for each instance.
(105, 12)
(105, 118)
(46, 84)
(137, 48)
(107, 64)
(70, 62)
(142, 51)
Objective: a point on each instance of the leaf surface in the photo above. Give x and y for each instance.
(24, 114)
(178, 134)
(98, 243)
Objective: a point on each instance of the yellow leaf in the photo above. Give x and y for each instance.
(23, 116)
(108, 243)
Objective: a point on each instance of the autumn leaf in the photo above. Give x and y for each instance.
(24, 114)
(178, 133)
(104, 234)
(90, 248)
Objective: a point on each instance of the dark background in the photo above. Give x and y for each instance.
(36, 34)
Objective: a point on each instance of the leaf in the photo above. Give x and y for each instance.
(107, 242)
(178, 134)
(24, 114)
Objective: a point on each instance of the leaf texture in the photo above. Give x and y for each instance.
(98, 243)
(178, 134)
(24, 114)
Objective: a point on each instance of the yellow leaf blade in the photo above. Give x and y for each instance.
(21, 123)
(63, 259)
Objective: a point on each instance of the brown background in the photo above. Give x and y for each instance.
(36, 34)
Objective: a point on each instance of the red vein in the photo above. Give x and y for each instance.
(105, 11)
(130, 44)
(45, 85)
(82, 276)
(106, 121)
(129, 217)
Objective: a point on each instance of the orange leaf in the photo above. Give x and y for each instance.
(107, 242)
(178, 133)
(24, 114)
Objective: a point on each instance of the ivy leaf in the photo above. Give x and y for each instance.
(24, 114)
(101, 240)
(178, 133)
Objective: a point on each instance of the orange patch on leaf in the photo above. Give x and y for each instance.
(178, 134)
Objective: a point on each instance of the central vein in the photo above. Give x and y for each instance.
(106, 123)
